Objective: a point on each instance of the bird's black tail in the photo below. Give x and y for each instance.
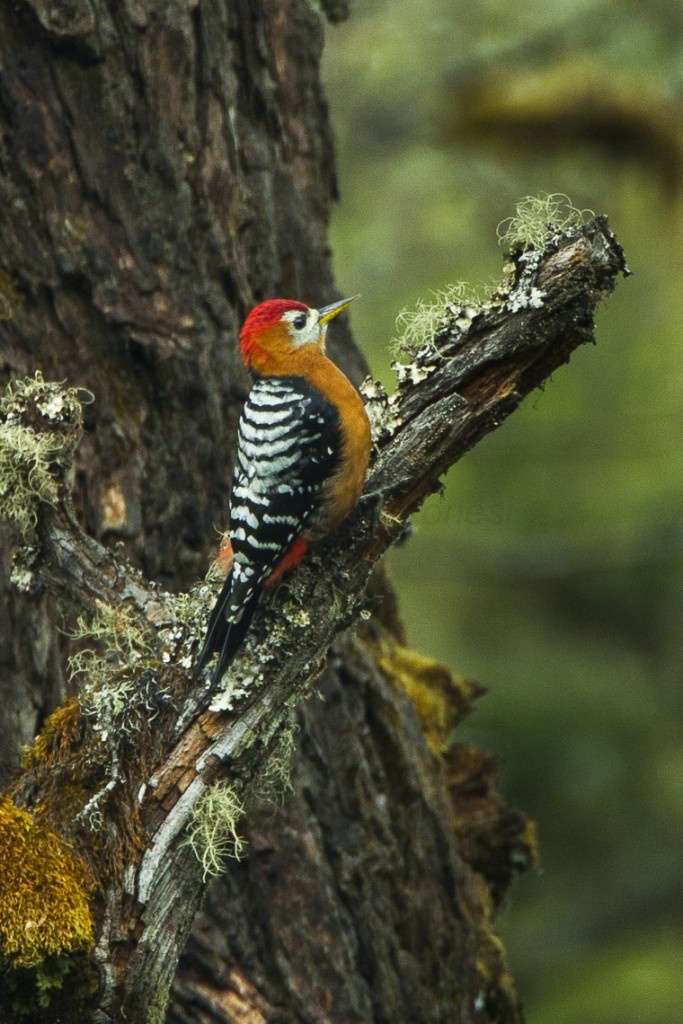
(224, 635)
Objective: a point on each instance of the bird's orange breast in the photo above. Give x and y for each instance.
(278, 357)
(346, 483)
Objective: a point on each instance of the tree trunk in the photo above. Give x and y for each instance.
(165, 165)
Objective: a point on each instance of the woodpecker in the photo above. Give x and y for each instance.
(303, 446)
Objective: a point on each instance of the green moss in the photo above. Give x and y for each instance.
(441, 698)
(44, 889)
(60, 734)
(59, 988)
(89, 761)
(62, 767)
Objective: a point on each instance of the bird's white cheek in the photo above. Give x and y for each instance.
(311, 335)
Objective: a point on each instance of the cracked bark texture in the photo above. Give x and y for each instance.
(164, 165)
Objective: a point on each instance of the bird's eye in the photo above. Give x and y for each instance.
(299, 321)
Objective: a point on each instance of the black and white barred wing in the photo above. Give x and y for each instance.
(287, 447)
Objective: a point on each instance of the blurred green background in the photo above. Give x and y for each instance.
(552, 572)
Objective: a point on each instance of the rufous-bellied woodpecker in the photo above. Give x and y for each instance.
(303, 447)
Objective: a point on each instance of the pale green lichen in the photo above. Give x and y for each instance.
(235, 688)
(275, 778)
(113, 672)
(536, 221)
(118, 629)
(40, 425)
(185, 618)
(23, 575)
(120, 696)
(419, 326)
(539, 218)
(212, 830)
(26, 474)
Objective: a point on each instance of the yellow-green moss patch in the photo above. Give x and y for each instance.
(60, 735)
(441, 698)
(44, 907)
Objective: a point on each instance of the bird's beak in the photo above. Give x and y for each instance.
(327, 312)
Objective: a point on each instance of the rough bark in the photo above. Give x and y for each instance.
(163, 167)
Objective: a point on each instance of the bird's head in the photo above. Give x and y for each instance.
(279, 328)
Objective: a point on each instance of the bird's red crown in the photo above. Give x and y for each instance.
(263, 317)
